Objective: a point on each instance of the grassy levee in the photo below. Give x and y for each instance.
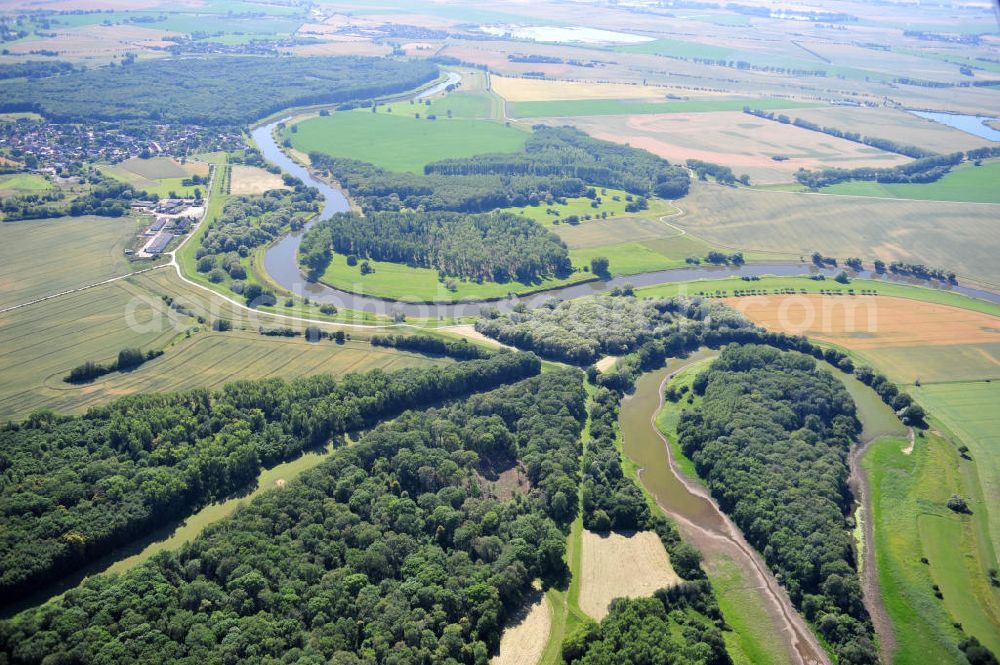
(911, 522)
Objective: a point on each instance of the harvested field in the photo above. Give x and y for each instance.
(94, 42)
(530, 90)
(743, 142)
(908, 339)
(615, 565)
(526, 634)
(958, 236)
(895, 125)
(253, 180)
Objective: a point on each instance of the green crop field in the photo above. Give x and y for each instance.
(464, 105)
(411, 284)
(16, 183)
(35, 254)
(399, 142)
(969, 410)
(977, 184)
(677, 48)
(936, 363)
(585, 107)
(911, 521)
(955, 236)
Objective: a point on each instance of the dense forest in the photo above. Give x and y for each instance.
(387, 552)
(580, 331)
(677, 626)
(376, 189)
(570, 153)
(74, 487)
(495, 247)
(460, 349)
(212, 91)
(771, 438)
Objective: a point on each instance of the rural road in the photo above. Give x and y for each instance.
(729, 543)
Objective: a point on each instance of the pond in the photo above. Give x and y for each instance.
(970, 124)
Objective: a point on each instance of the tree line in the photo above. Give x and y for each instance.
(376, 189)
(213, 91)
(127, 359)
(569, 152)
(856, 137)
(924, 170)
(459, 349)
(388, 551)
(495, 247)
(75, 487)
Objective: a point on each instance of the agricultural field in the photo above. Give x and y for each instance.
(952, 236)
(615, 565)
(966, 182)
(253, 180)
(158, 175)
(588, 107)
(743, 142)
(895, 125)
(399, 142)
(93, 246)
(513, 89)
(911, 340)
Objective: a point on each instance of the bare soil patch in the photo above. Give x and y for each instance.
(253, 180)
(617, 565)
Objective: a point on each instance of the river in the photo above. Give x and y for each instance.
(281, 261)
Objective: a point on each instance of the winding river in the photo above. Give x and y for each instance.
(281, 262)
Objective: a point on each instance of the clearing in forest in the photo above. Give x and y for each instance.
(616, 565)
(253, 180)
(526, 634)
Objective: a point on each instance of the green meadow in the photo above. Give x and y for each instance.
(397, 141)
(974, 184)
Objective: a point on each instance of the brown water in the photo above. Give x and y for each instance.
(643, 445)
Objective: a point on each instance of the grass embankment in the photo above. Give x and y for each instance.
(967, 182)
(587, 107)
(398, 141)
(911, 522)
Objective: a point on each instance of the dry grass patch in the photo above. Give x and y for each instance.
(526, 634)
(253, 180)
(616, 565)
